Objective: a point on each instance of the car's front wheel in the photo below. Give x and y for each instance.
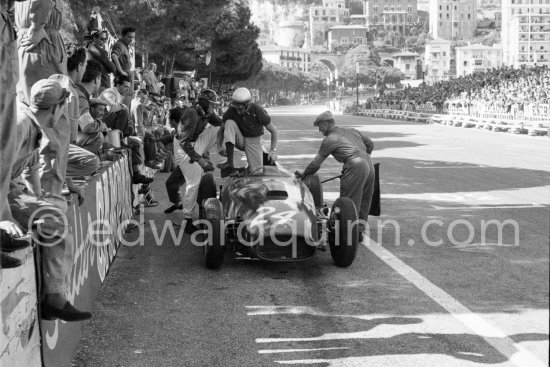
(343, 237)
(214, 247)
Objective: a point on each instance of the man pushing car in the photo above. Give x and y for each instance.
(353, 148)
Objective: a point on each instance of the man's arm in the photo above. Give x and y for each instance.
(39, 13)
(369, 144)
(314, 165)
(273, 131)
(190, 120)
(324, 151)
(115, 52)
(102, 57)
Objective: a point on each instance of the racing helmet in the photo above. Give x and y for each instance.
(241, 95)
(209, 95)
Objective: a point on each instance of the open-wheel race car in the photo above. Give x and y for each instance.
(271, 215)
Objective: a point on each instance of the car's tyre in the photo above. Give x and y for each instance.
(207, 188)
(215, 244)
(316, 188)
(344, 236)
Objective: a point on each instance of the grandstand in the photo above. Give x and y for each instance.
(504, 96)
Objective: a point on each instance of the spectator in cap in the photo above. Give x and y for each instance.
(353, 149)
(52, 233)
(95, 46)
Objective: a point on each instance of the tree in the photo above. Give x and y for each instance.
(236, 53)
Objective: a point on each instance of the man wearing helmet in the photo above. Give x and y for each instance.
(244, 124)
(352, 148)
(196, 131)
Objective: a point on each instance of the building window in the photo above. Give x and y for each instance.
(344, 40)
(409, 9)
(444, 53)
(440, 7)
(478, 62)
(375, 9)
(407, 66)
(386, 8)
(465, 63)
(468, 15)
(441, 24)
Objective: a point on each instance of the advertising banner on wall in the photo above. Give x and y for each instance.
(97, 226)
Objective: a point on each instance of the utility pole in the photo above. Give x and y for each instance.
(357, 81)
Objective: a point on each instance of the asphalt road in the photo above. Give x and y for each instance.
(431, 286)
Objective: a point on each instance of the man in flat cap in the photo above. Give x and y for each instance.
(28, 207)
(352, 148)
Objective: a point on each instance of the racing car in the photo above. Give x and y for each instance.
(272, 215)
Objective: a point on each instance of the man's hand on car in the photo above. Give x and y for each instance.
(299, 175)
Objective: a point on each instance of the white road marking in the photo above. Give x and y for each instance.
(439, 167)
(435, 147)
(271, 351)
(514, 352)
(534, 205)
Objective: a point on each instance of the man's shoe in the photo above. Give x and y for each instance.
(141, 179)
(11, 244)
(155, 164)
(67, 313)
(223, 166)
(173, 208)
(230, 172)
(8, 262)
(189, 227)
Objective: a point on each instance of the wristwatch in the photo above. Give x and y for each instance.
(273, 150)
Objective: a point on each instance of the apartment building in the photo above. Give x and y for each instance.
(526, 32)
(397, 15)
(477, 58)
(322, 17)
(289, 57)
(453, 19)
(437, 60)
(347, 34)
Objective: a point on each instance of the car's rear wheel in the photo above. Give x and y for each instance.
(315, 187)
(207, 188)
(215, 243)
(344, 235)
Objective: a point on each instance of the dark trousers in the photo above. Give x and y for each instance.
(173, 184)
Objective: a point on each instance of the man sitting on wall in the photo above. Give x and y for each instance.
(53, 235)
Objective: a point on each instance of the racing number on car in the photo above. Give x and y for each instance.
(263, 212)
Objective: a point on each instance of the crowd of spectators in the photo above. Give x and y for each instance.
(65, 112)
(505, 89)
